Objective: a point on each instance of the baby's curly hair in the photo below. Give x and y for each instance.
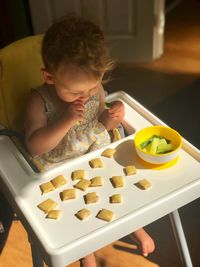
(75, 40)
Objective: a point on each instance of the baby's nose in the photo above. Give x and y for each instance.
(85, 95)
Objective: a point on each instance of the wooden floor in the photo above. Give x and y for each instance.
(182, 59)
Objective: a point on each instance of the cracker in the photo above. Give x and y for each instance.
(47, 205)
(96, 163)
(46, 187)
(96, 181)
(143, 184)
(117, 181)
(78, 175)
(116, 198)
(68, 194)
(116, 135)
(106, 215)
(82, 184)
(54, 214)
(130, 170)
(58, 181)
(83, 214)
(91, 198)
(109, 152)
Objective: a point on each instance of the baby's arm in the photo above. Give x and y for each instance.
(42, 137)
(110, 118)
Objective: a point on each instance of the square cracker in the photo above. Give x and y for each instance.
(91, 198)
(96, 181)
(83, 214)
(116, 198)
(82, 184)
(130, 170)
(68, 194)
(143, 184)
(117, 181)
(108, 153)
(78, 175)
(47, 205)
(46, 187)
(54, 214)
(96, 163)
(58, 181)
(106, 215)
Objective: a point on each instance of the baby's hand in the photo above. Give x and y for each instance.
(75, 112)
(113, 116)
(116, 112)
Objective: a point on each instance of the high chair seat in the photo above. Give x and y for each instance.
(20, 64)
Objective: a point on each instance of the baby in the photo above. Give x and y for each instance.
(65, 116)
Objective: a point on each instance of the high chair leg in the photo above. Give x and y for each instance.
(36, 256)
(180, 238)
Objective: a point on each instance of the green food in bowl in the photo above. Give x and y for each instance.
(157, 145)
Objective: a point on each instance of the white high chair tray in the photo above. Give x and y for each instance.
(65, 240)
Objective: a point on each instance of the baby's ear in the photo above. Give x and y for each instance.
(47, 76)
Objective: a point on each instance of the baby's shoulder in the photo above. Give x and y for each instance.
(41, 91)
(37, 99)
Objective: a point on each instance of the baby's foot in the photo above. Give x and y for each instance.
(89, 261)
(144, 241)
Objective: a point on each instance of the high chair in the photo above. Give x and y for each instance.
(20, 65)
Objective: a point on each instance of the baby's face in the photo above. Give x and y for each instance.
(72, 84)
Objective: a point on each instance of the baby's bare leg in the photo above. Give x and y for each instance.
(89, 261)
(145, 242)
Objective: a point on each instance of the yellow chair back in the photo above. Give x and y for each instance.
(20, 64)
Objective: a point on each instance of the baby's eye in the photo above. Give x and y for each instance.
(76, 93)
(73, 93)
